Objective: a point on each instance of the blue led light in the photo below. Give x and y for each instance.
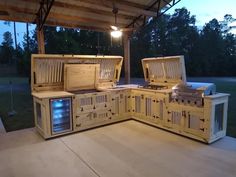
(57, 104)
(61, 114)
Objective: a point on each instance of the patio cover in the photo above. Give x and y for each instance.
(84, 14)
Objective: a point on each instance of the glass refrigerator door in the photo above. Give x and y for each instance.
(61, 119)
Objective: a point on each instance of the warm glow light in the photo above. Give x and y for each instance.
(116, 33)
(114, 28)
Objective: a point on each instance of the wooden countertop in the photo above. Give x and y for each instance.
(51, 94)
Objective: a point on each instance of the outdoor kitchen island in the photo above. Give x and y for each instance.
(74, 93)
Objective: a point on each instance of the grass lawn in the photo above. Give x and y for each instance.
(24, 107)
(22, 104)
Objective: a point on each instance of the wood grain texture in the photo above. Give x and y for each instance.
(47, 70)
(167, 71)
(81, 76)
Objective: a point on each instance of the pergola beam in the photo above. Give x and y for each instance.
(140, 16)
(28, 11)
(126, 42)
(125, 6)
(40, 39)
(92, 7)
(168, 6)
(44, 9)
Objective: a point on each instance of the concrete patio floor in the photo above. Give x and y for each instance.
(124, 149)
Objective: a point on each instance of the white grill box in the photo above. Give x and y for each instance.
(65, 101)
(191, 109)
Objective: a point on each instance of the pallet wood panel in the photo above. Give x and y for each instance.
(47, 70)
(81, 76)
(167, 71)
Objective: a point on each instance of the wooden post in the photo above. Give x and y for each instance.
(127, 57)
(40, 38)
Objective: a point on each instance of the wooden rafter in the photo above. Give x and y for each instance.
(128, 7)
(95, 14)
(44, 9)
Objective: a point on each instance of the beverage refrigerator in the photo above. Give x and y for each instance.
(60, 111)
(53, 113)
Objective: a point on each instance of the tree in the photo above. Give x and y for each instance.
(14, 27)
(140, 48)
(225, 24)
(212, 47)
(7, 51)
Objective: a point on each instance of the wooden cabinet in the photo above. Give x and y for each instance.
(137, 104)
(92, 109)
(186, 120)
(121, 104)
(148, 106)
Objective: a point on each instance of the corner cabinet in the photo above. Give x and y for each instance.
(121, 104)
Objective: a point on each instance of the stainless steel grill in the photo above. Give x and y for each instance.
(154, 87)
(192, 93)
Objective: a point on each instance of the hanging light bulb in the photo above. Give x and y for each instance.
(116, 33)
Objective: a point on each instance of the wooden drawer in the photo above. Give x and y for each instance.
(92, 119)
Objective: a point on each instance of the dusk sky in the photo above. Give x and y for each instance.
(205, 10)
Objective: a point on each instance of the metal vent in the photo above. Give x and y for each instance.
(102, 115)
(148, 107)
(193, 122)
(101, 99)
(49, 71)
(137, 104)
(86, 101)
(161, 110)
(39, 115)
(126, 104)
(219, 116)
(176, 117)
(117, 105)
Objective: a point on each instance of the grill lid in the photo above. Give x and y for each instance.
(166, 71)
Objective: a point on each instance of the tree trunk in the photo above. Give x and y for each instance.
(27, 35)
(15, 35)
